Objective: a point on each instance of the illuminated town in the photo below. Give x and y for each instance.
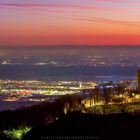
(37, 91)
(72, 60)
(28, 93)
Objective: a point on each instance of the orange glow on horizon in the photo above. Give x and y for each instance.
(84, 23)
(73, 40)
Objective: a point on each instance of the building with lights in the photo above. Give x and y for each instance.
(87, 103)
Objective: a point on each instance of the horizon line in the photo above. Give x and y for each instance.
(64, 45)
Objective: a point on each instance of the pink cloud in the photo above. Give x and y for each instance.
(112, 0)
(50, 8)
(120, 1)
(109, 21)
(43, 6)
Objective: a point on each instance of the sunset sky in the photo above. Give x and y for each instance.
(73, 22)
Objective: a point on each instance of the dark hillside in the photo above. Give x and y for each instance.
(88, 126)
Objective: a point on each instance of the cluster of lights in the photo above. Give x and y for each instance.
(13, 89)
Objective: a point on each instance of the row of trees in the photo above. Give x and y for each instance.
(114, 94)
(107, 95)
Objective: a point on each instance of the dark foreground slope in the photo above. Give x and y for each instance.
(88, 126)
